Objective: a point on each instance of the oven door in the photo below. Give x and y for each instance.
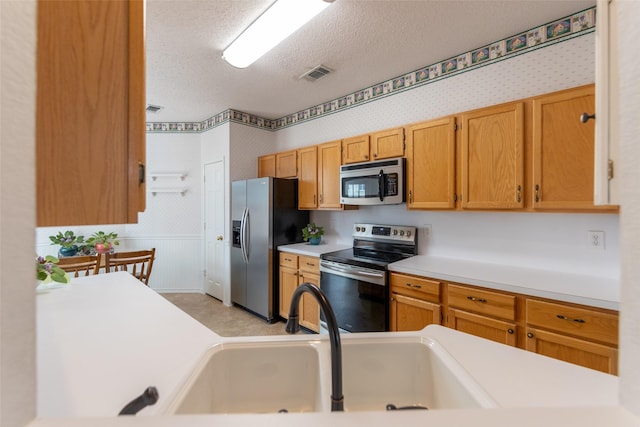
(358, 296)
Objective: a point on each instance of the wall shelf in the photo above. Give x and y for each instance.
(154, 176)
(155, 191)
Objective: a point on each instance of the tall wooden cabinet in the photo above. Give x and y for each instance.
(563, 150)
(431, 161)
(492, 155)
(308, 178)
(329, 162)
(90, 118)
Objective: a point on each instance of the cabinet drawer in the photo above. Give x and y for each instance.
(582, 322)
(288, 260)
(483, 302)
(310, 264)
(418, 287)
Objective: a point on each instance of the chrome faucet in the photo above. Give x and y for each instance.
(293, 326)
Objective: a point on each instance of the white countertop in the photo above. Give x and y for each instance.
(313, 250)
(103, 340)
(603, 292)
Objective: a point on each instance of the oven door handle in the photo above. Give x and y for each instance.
(351, 272)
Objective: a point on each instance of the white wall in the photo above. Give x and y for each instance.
(543, 240)
(17, 213)
(629, 127)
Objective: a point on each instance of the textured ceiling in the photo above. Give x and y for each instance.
(364, 41)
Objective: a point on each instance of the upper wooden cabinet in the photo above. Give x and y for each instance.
(387, 144)
(329, 175)
(355, 149)
(267, 166)
(563, 150)
(431, 161)
(308, 178)
(492, 157)
(90, 114)
(286, 164)
(376, 146)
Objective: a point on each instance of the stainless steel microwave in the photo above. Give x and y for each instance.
(373, 183)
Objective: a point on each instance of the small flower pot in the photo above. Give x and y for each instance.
(314, 240)
(103, 248)
(70, 251)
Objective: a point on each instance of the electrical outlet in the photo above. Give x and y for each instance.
(426, 230)
(596, 239)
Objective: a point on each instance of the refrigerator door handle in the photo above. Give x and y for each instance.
(247, 230)
(243, 233)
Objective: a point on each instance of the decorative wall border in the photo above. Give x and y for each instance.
(566, 28)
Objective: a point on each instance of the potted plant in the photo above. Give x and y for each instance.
(68, 243)
(47, 270)
(103, 242)
(312, 233)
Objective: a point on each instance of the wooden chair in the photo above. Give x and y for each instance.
(138, 263)
(80, 266)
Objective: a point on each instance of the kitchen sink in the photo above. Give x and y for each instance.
(406, 373)
(253, 378)
(295, 376)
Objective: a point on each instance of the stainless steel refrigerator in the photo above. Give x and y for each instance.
(264, 215)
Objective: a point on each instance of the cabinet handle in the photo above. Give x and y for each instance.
(410, 196)
(562, 317)
(140, 173)
(529, 334)
(519, 193)
(414, 286)
(375, 155)
(314, 199)
(537, 193)
(321, 198)
(311, 264)
(584, 117)
(288, 259)
(476, 299)
(510, 331)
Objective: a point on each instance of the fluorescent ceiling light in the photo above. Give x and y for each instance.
(277, 23)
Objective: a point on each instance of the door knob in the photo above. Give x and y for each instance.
(220, 238)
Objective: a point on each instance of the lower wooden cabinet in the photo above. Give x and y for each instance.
(483, 326)
(414, 302)
(574, 333)
(412, 314)
(294, 271)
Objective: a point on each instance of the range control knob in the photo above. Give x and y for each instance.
(395, 231)
(357, 228)
(402, 232)
(408, 233)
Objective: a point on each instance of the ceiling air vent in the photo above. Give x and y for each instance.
(316, 72)
(153, 108)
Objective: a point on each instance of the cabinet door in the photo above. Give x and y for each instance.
(288, 284)
(387, 144)
(492, 157)
(412, 314)
(431, 164)
(267, 166)
(355, 149)
(286, 164)
(573, 350)
(482, 326)
(310, 310)
(308, 178)
(90, 118)
(329, 175)
(563, 150)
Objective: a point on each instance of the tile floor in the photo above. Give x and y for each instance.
(223, 320)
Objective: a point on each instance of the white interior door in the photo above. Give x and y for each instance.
(214, 229)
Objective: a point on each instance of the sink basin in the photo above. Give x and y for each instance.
(253, 378)
(377, 369)
(406, 373)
